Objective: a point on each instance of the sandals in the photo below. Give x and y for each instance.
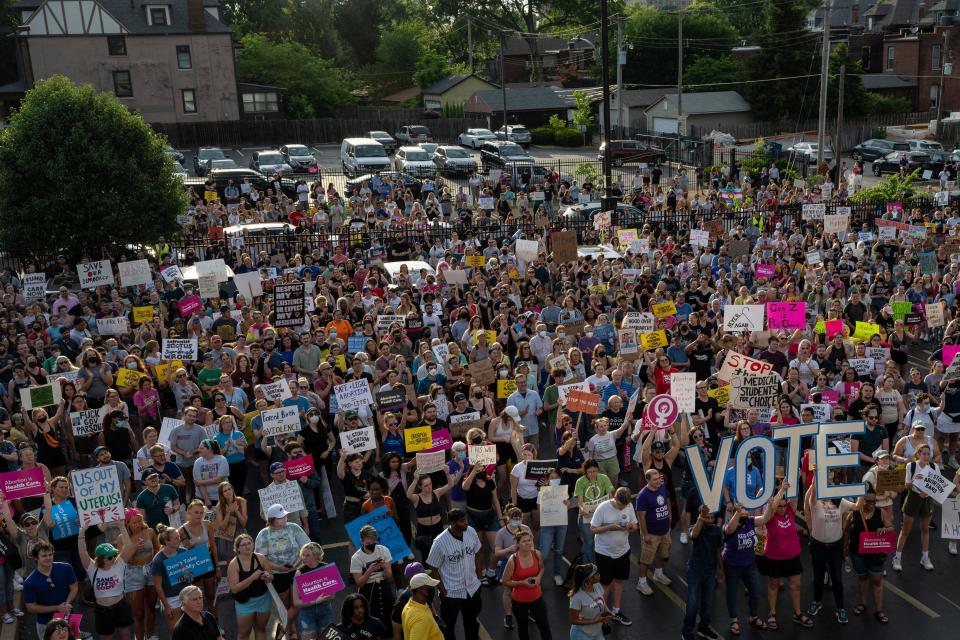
(734, 627)
(757, 623)
(881, 617)
(772, 622)
(860, 609)
(803, 620)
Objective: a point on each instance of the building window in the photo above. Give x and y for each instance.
(117, 45)
(183, 57)
(935, 57)
(189, 100)
(260, 102)
(934, 96)
(890, 51)
(122, 86)
(158, 15)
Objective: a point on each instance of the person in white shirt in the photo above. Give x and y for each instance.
(611, 525)
(454, 560)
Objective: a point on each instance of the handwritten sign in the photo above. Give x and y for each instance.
(833, 327)
(865, 330)
(743, 317)
(45, 395)
(34, 286)
(683, 388)
(417, 438)
(277, 391)
(950, 529)
(171, 273)
(275, 422)
(95, 274)
(180, 349)
(99, 494)
(739, 363)
(289, 304)
(462, 423)
(23, 483)
(65, 520)
(553, 510)
(699, 238)
(786, 315)
(358, 440)
(641, 321)
(813, 211)
(319, 583)
(754, 391)
(286, 493)
(482, 454)
(430, 461)
(353, 394)
(134, 273)
(86, 423)
(863, 366)
(187, 565)
(934, 484)
(564, 244)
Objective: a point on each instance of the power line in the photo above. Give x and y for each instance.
(633, 85)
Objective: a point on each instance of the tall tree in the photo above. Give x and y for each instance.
(109, 183)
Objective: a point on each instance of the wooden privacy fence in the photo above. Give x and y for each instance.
(316, 131)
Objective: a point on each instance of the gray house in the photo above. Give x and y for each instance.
(168, 60)
(711, 109)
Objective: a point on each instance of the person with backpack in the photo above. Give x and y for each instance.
(916, 505)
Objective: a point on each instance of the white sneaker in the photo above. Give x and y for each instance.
(644, 588)
(683, 538)
(952, 547)
(897, 564)
(558, 581)
(661, 578)
(926, 564)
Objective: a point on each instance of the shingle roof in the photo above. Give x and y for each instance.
(523, 99)
(642, 97)
(710, 102)
(450, 82)
(872, 81)
(133, 16)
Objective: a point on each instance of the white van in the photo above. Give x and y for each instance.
(363, 155)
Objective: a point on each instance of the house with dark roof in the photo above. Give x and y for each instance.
(531, 106)
(455, 89)
(708, 109)
(168, 60)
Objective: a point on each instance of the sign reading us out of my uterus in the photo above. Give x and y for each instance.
(711, 488)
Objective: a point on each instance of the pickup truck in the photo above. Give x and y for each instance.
(413, 134)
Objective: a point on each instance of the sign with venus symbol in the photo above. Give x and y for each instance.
(662, 412)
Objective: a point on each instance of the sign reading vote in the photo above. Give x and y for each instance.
(99, 496)
(187, 565)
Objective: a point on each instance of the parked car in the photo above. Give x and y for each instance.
(299, 158)
(626, 216)
(429, 147)
(926, 146)
(809, 150)
(474, 138)
(415, 161)
(384, 138)
(176, 155)
(499, 153)
(224, 163)
(409, 182)
(179, 171)
(452, 160)
(595, 251)
(890, 163)
(515, 133)
(631, 151)
(270, 162)
(360, 155)
(941, 159)
(877, 148)
(204, 154)
(413, 134)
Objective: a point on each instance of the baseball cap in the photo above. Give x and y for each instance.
(512, 411)
(351, 414)
(97, 451)
(105, 550)
(412, 569)
(658, 446)
(422, 580)
(881, 453)
(276, 466)
(277, 511)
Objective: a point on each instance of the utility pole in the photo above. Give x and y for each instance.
(470, 40)
(679, 75)
(608, 202)
(824, 73)
(503, 84)
(621, 55)
(839, 137)
(944, 56)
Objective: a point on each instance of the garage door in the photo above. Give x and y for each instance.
(665, 125)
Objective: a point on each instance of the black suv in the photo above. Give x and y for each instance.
(877, 148)
(500, 153)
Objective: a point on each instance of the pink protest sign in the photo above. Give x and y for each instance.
(441, 441)
(786, 315)
(949, 351)
(73, 621)
(873, 542)
(833, 327)
(20, 484)
(188, 305)
(850, 390)
(894, 207)
(324, 581)
(829, 396)
(300, 467)
(662, 412)
(765, 270)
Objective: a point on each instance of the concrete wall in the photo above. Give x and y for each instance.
(152, 63)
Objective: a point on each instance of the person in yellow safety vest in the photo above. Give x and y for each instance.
(161, 249)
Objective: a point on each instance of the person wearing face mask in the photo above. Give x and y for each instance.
(371, 569)
(94, 378)
(553, 537)
(48, 438)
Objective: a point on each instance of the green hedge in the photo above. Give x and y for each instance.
(568, 138)
(542, 135)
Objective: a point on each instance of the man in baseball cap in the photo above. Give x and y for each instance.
(417, 618)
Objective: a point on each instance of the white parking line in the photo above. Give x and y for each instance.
(240, 152)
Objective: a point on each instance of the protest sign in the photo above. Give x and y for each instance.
(128, 377)
(889, 480)
(34, 286)
(65, 520)
(650, 341)
(836, 223)
(208, 286)
(865, 330)
(743, 317)
(683, 388)
(765, 271)
(384, 322)
(582, 402)
(720, 394)
(934, 313)
(134, 273)
(505, 388)
(482, 454)
(813, 211)
(553, 511)
(353, 394)
(356, 344)
(319, 583)
(475, 260)
(714, 227)
(948, 352)
(485, 202)
(430, 461)
(441, 353)
(880, 356)
(950, 530)
(358, 440)
(180, 349)
(216, 268)
(300, 467)
(699, 238)
(99, 494)
(928, 262)
(289, 304)
(527, 250)
(934, 484)
(875, 542)
(23, 483)
(560, 362)
(45, 395)
(641, 321)
(829, 396)
(863, 366)
(564, 245)
(786, 315)
(275, 422)
(821, 412)
(739, 363)
(455, 276)
(141, 315)
(249, 284)
(833, 327)
(286, 493)
(95, 274)
(537, 469)
(661, 412)
(166, 428)
(387, 531)
(189, 305)
(85, 423)
(813, 258)
(277, 391)
(417, 438)
(664, 309)
(391, 400)
(171, 273)
(440, 440)
(564, 390)
(187, 565)
(754, 391)
(462, 423)
(482, 372)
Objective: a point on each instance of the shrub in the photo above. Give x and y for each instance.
(542, 135)
(568, 138)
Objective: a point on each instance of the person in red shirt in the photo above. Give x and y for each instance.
(662, 372)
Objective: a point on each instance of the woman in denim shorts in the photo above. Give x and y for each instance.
(317, 614)
(137, 581)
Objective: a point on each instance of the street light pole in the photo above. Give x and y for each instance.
(824, 73)
(605, 81)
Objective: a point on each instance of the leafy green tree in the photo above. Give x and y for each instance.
(401, 46)
(79, 173)
(314, 87)
(311, 23)
(706, 70)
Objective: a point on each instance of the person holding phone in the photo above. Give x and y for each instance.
(522, 576)
(371, 569)
(588, 613)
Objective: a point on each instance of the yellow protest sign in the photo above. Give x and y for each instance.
(864, 330)
(598, 288)
(654, 340)
(720, 394)
(166, 370)
(505, 388)
(341, 361)
(127, 377)
(248, 425)
(820, 327)
(476, 261)
(514, 274)
(418, 438)
(626, 236)
(664, 309)
(142, 314)
(491, 336)
(210, 196)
